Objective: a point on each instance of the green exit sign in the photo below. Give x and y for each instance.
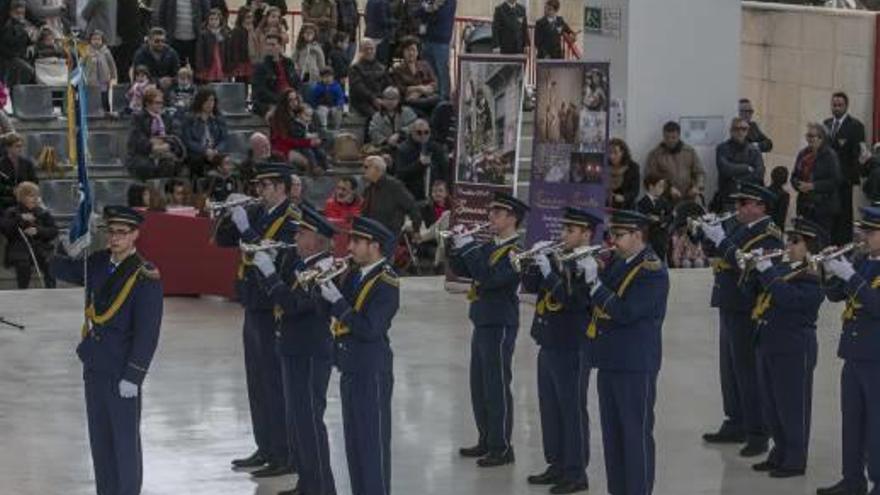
(593, 19)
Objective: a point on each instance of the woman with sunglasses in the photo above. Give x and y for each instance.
(815, 177)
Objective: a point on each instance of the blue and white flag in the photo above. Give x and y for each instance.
(77, 137)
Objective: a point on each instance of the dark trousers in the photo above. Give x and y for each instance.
(123, 55)
(859, 391)
(265, 392)
(739, 375)
(186, 51)
(490, 376)
(565, 425)
(626, 406)
(842, 231)
(366, 424)
(786, 384)
(114, 435)
(23, 271)
(305, 399)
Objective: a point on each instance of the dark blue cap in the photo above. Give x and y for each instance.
(870, 218)
(122, 214)
(750, 190)
(314, 221)
(580, 216)
(807, 228)
(269, 170)
(506, 201)
(368, 228)
(628, 219)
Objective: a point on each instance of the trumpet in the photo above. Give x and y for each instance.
(267, 245)
(695, 224)
(582, 252)
(217, 207)
(831, 253)
(748, 260)
(518, 259)
(449, 234)
(316, 276)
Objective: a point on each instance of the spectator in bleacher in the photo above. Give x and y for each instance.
(388, 126)
(182, 20)
(180, 95)
(380, 26)
(549, 32)
(679, 164)
(99, 66)
(415, 80)
(367, 78)
(245, 46)
(308, 54)
(347, 22)
(817, 177)
(655, 205)
(260, 151)
(338, 57)
(273, 77)
(345, 203)
(435, 218)
(152, 150)
(204, 132)
(212, 49)
(31, 232)
(871, 186)
(137, 196)
(386, 199)
(47, 47)
(272, 23)
(135, 94)
(290, 136)
(737, 161)
(129, 32)
(624, 176)
(420, 160)
(438, 21)
(755, 137)
(321, 14)
(510, 28)
(328, 99)
(5, 123)
(15, 168)
(295, 193)
(161, 59)
(222, 179)
(178, 194)
(846, 136)
(48, 13)
(16, 37)
(301, 132)
(778, 180)
(99, 16)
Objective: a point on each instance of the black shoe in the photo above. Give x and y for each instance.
(725, 435)
(475, 451)
(570, 487)
(548, 477)
(493, 459)
(754, 448)
(272, 470)
(786, 472)
(255, 460)
(842, 488)
(764, 467)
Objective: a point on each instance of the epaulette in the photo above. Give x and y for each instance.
(294, 212)
(389, 277)
(774, 231)
(148, 270)
(652, 263)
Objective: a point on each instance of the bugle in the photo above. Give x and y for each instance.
(582, 252)
(746, 260)
(316, 276)
(267, 245)
(448, 234)
(218, 207)
(832, 252)
(518, 259)
(695, 224)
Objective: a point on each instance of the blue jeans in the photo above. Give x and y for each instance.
(437, 55)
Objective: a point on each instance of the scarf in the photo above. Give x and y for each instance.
(157, 125)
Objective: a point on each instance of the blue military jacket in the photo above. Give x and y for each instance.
(363, 318)
(628, 309)
(278, 225)
(493, 294)
(786, 309)
(304, 318)
(562, 308)
(734, 290)
(124, 309)
(860, 340)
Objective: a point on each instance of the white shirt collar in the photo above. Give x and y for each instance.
(367, 269)
(272, 209)
(842, 118)
(117, 263)
(756, 222)
(629, 260)
(499, 241)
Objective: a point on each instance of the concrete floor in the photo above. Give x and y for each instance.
(196, 416)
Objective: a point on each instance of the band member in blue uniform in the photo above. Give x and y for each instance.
(628, 305)
(734, 294)
(858, 284)
(273, 219)
(362, 312)
(123, 316)
(785, 316)
(306, 348)
(494, 311)
(558, 327)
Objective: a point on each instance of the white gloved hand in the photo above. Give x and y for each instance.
(543, 263)
(588, 265)
(240, 219)
(714, 232)
(840, 268)
(263, 262)
(763, 265)
(127, 390)
(461, 241)
(330, 293)
(73, 251)
(324, 264)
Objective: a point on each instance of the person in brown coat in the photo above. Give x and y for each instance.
(679, 164)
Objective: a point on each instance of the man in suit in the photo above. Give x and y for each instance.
(510, 28)
(846, 134)
(119, 339)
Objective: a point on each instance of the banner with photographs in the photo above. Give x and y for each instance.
(490, 99)
(569, 163)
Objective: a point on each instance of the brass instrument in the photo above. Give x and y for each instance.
(316, 276)
(518, 259)
(582, 252)
(449, 234)
(750, 259)
(216, 208)
(266, 245)
(832, 252)
(695, 224)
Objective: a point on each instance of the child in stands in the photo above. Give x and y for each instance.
(135, 95)
(100, 68)
(211, 49)
(328, 99)
(245, 46)
(317, 159)
(223, 180)
(181, 93)
(308, 54)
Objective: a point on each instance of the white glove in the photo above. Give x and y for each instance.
(543, 263)
(763, 265)
(324, 264)
(264, 263)
(240, 219)
(714, 232)
(127, 390)
(460, 241)
(72, 250)
(588, 265)
(330, 293)
(840, 268)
